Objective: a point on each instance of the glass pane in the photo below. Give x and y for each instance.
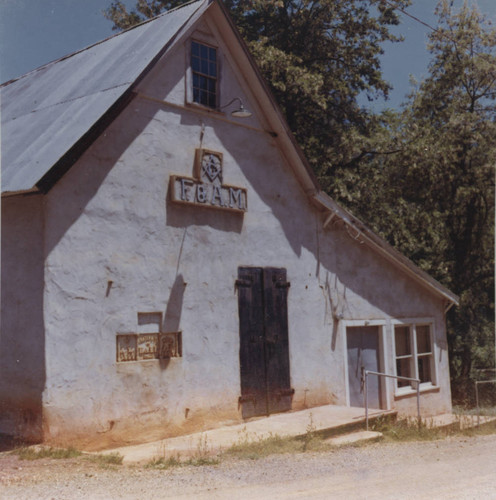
(402, 340)
(195, 49)
(212, 54)
(203, 83)
(203, 97)
(423, 339)
(212, 69)
(196, 95)
(195, 63)
(403, 370)
(424, 368)
(204, 51)
(204, 66)
(211, 85)
(211, 100)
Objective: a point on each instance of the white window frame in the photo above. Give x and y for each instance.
(204, 39)
(412, 324)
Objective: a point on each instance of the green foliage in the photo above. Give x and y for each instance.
(275, 445)
(437, 200)
(35, 453)
(163, 463)
(144, 9)
(107, 459)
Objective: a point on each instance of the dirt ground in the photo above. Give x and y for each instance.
(461, 468)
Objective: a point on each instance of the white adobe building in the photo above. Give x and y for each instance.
(168, 266)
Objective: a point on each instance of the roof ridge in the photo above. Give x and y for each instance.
(67, 56)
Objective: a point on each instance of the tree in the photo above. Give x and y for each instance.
(317, 57)
(437, 204)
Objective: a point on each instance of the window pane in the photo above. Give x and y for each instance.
(403, 369)
(195, 63)
(204, 71)
(402, 340)
(212, 54)
(211, 85)
(211, 100)
(423, 339)
(424, 368)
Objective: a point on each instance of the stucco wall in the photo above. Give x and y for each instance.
(22, 346)
(117, 246)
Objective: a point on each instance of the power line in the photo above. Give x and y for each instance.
(441, 33)
(412, 16)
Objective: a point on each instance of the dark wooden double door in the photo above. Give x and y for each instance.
(264, 348)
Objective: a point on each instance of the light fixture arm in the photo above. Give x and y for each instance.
(241, 112)
(230, 102)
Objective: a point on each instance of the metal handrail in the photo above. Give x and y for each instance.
(365, 393)
(477, 382)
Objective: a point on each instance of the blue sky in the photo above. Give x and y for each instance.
(34, 32)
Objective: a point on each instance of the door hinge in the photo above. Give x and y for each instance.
(280, 393)
(245, 282)
(247, 398)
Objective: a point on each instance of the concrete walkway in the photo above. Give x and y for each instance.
(335, 419)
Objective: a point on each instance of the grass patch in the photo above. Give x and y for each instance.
(272, 445)
(163, 463)
(198, 461)
(408, 429)
(171, 462)
(32, 453)
(488, 411)
(107, 459)
(202, 456)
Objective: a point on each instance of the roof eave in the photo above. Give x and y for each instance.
(385, 249)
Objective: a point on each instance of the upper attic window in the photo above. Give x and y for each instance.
(204, 69)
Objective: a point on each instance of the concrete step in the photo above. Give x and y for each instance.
(354, 437)
(324, 421)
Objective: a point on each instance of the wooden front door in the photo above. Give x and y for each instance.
(264, 348)
(363, 354)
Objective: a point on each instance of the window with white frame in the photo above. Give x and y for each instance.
(414, 353)
(204, 70)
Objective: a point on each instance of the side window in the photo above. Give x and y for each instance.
(204, 70)
(414, 354)
(404, 356)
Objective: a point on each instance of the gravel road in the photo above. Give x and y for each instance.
(457, 468)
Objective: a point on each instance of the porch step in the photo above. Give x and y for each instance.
(355, 424)
(327, 421)
(355, 437)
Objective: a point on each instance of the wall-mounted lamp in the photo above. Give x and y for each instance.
(240, 112)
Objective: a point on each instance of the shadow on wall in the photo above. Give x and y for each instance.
(361, 271)
(22, 338)
(172, 316)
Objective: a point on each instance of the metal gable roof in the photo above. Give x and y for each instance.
(47, 114)
(47, 111)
